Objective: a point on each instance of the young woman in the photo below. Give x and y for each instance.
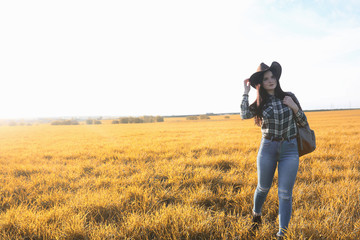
(277, 113)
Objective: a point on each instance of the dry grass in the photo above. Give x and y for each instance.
(173, 180)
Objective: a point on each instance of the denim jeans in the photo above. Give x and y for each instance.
(285, 155)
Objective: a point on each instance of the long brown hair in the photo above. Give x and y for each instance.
(262, 97)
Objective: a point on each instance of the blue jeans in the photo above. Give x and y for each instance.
(286, 155)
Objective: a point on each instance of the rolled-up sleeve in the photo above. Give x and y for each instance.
(301, 118)
(245, 112)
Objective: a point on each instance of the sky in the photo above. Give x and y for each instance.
(141, 57)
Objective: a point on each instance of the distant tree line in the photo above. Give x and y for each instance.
(65, 122)
(197, 117)
(93, 121)
(143, 119)
(13, 123)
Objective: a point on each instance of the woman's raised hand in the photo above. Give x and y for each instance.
(288, 101)
(247, 86)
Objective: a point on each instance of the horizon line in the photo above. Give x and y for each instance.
(104, 117)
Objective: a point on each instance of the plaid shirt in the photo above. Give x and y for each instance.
(278, 119)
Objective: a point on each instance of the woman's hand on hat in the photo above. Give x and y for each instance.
(247, 86)
(288, 101)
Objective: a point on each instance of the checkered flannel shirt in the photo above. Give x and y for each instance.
(278, 119)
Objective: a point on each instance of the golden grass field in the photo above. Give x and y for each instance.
(176, 179)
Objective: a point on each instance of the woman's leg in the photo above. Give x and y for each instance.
(266, 165)
(287, 169)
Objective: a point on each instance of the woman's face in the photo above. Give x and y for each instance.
(269, 82)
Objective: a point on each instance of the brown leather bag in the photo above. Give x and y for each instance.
(306, 137)
(306, 140)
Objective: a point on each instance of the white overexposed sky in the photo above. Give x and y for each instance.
(144, 57)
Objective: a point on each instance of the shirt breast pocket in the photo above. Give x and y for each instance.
(268, 112)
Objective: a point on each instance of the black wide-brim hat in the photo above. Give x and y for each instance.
(257, 77)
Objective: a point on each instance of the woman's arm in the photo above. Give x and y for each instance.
(292, 102)
(245, 111)
(301, 118)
